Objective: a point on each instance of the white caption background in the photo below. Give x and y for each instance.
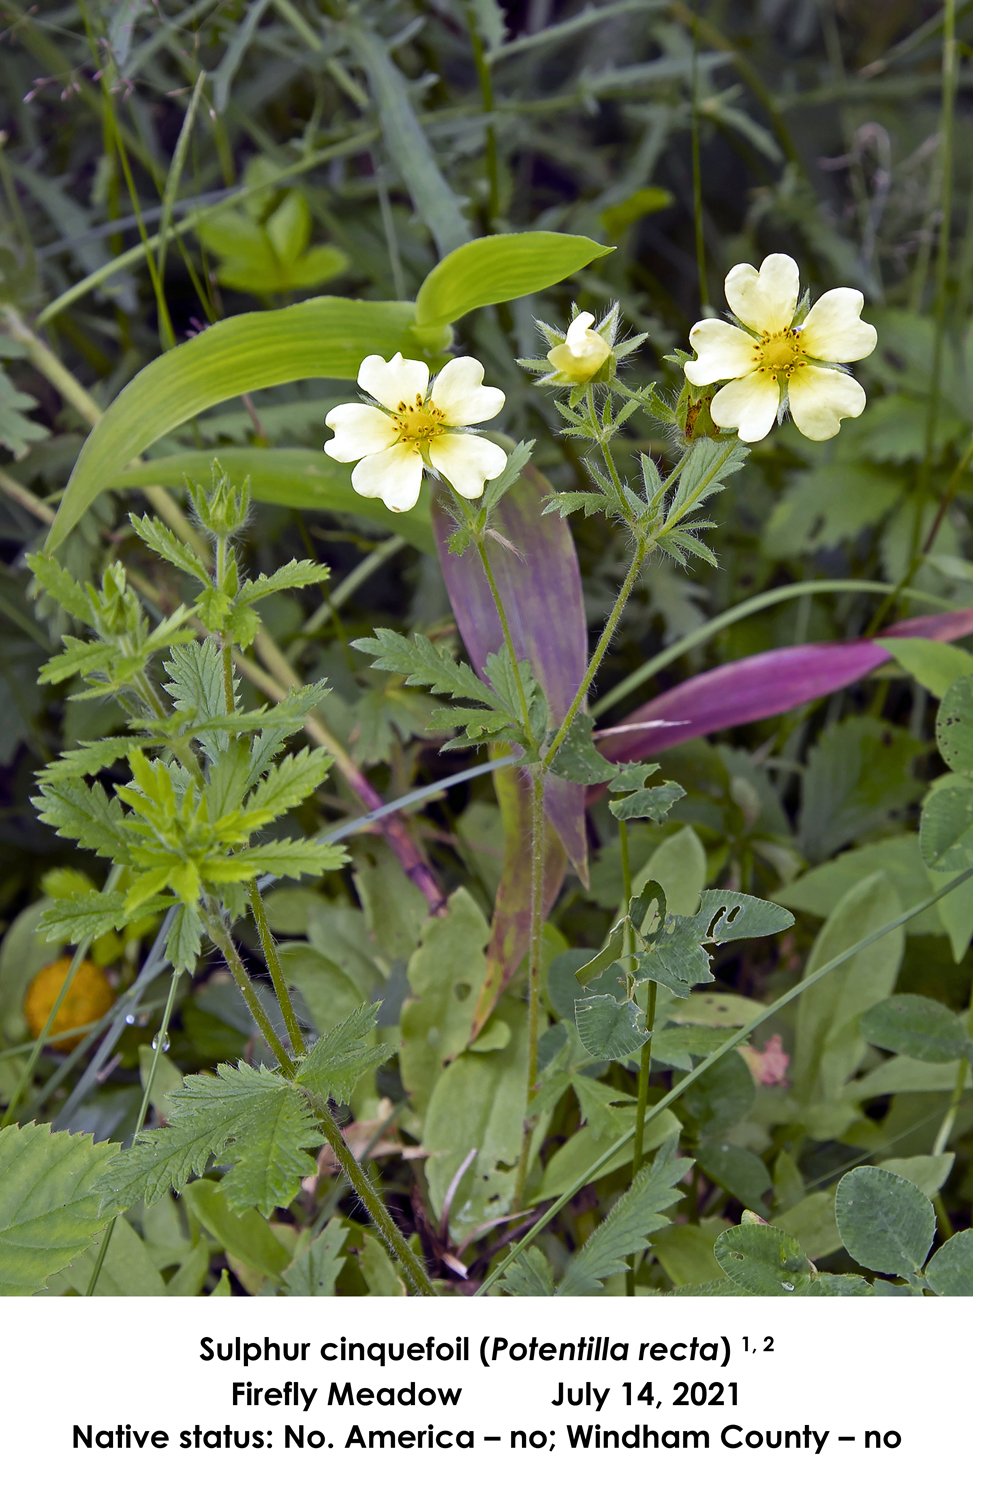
(836, 1369)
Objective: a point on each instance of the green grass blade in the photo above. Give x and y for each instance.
(323, 338)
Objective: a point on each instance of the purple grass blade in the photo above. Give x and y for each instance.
(758, 687)
(538, 577)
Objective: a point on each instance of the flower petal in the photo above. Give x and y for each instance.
(460, 397)
(467, 462)
(358, 430)
(750, 405)
(723, 352)
(820, 399)
(394, 380)
(833, 329)
(764, 300)
(583, 352)
(394, 477)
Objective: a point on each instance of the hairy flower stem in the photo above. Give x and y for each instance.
(363, 1186)
(275, 967)
(600, 650)
(646, 1058)
(216, 930)
(356, 1174)
(538, 858)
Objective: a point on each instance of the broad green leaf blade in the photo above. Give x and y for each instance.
(763, 1260)
(887, 1224)
(50, 1208)
(916, 1026)
(248, 1116)
(935, 665)
(945, 835)
(954, 726)
(731, 914)
(609, 1027)
(298, 478)
(950, 1271)
(499, 268)
(323, 338)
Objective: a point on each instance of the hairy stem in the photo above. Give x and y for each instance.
(273, 964)
(538, 861)
(221, 938)
(600, 650)
(363, 1185)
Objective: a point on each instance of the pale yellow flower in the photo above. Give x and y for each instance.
(583, 352)
(417, 426)
(770, 358)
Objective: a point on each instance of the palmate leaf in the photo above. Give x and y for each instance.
(628, 1226)
(50, 1205)
(77, 659)
(289, 858)
(90, 757)
(529, 1275)
(62, 587)
(338, 1059)
(298, 574)
(425, 665)
(196, 682)
(289, 783)
(85, 814)
(161, 539)
(250, 1117)
(76, 919)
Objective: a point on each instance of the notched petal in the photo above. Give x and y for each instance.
(834, 330)
(461, 398)
(819, 400)
(394, 380)
(764, 300)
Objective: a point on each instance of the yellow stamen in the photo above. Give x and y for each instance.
(778, 354)
(419, 423)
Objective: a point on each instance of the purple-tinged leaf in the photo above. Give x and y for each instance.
(758, 687)
(538, 577)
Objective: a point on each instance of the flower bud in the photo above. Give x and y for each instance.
(583, 352)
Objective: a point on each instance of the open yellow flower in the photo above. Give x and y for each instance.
(769, 358)
(417, 426)
(583, 352)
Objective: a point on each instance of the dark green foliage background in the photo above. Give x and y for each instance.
(373, 138)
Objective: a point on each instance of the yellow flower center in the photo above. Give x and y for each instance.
(418, 422)
(778, 354)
